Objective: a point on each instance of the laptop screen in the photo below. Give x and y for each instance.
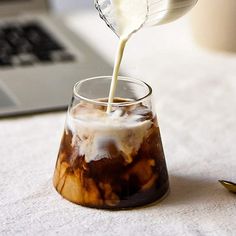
(12, 7)
(13, 1)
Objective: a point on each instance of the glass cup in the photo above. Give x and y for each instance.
(111, 160)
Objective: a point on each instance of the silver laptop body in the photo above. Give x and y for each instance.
(34, 81)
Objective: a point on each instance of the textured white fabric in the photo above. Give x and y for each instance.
(195, 94)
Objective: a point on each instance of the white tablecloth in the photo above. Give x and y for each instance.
(195, 96)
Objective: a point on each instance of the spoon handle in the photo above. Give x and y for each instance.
(229, 185)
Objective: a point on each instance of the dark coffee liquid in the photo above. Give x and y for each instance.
(112, 182)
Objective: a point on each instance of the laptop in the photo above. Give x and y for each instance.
(40, 59)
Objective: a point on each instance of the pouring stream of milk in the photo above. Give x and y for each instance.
(130, 16)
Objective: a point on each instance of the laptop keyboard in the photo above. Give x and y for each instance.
(29, 44)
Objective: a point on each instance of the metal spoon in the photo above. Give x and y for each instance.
(229, 185)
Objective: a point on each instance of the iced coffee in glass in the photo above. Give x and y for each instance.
(111, 160)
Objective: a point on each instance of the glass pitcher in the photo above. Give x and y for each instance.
(158, 11)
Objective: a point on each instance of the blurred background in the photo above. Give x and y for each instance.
(70, 5)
